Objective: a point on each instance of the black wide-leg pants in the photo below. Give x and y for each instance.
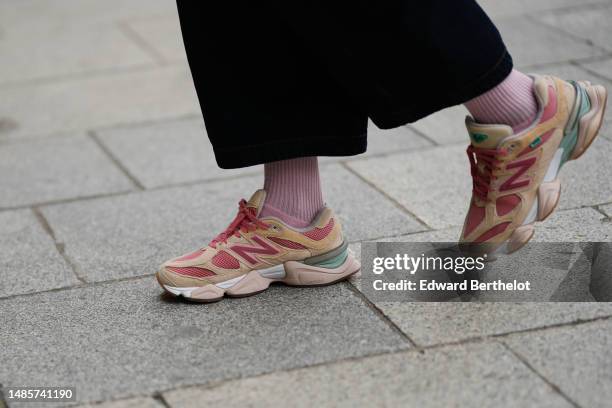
(284, 79)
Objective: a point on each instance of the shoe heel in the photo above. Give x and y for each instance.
(302, 274)
(519, 238)
(548, 198)
(591, 122)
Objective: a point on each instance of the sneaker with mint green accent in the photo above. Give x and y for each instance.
(515, 181)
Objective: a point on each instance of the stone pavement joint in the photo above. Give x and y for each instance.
(556, 388)
(493, 336)
(159, 397)
(380, 314)
(61, 248)
(81, 115)
(3, 403)
(437, 378)
(559, 29)
(142, 43)
(291, 328)
(424, 135)
(576, 359)
(387, 196)
(353, 287)
(93, 135)
(101, 72)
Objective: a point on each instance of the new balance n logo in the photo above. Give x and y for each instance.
(522, 166)
(246, 251)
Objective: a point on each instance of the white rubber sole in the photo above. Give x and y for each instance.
(292, 273)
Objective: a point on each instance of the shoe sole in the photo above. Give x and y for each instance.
(291, 273)
(549, 192)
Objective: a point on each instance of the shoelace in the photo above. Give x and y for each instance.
(245, 221)
(483, 162)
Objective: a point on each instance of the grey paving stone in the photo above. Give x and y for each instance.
(387, 141)
(182, 152)
(484, 375)
(366, 213)
(577, 359)
(29, 261)
(393, 140)
(590, 23)
(435, 184)
(76, 55)
(531, 43)
(565, 71)
(443, 235)
(167, 153)
(126, 403)
(603, 68)
(496, 8)
(435, 323)
(162, 34)
(580, 225)
(446, 126)
(85, 103)
(64, 167)
(607, 209)
(606, 130)
(586, 181)
(122, 339)
(131, 235)
(82, 12)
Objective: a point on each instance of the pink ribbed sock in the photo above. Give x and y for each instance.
(512, 103)
(293, 191)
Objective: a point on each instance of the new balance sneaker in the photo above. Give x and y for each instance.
(514, 176)
(253, 252)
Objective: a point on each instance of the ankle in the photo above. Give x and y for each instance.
(293, 190)
(511, 103)
(290, 220)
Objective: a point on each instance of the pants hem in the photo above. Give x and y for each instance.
(245, 156)
(493, 77)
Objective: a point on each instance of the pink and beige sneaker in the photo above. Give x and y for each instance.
(253, 252)
(514, 176)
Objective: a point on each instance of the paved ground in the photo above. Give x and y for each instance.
(105, 172)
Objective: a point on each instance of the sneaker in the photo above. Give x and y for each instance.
(514, 176)
(253, 252)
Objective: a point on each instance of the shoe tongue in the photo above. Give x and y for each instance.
(486, 136)
(257, 200)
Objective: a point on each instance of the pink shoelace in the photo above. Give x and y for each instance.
(483, 163)
(245, 221)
